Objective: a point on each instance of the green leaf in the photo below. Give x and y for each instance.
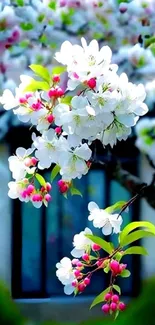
(55, 172)
(116, 314)
(118, 256)
(66, 99)
(52, 5)
(58, 70)
(40, 179)
(136, 224)
(20, 3)
(24, 43)
(41, 18)
(37, 85)
(103, 243)
(40, 71)
(99, 298)
(107, 269)
(26, 26)
(125, 274)
(152, 48)
(92, 258)
(117, 206)
(117, 288)
(75, 191)
(135, 236)
(135, 250)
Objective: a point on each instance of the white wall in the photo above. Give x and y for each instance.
(147, 213)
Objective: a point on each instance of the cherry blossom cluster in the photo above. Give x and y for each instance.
(76, 274)
(145, 130)
(103, 106)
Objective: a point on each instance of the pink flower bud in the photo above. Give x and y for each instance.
(48, 197)
(115, 267)
(24, 194)
(99, 263)
(76, 273)
(79, 264)
(113, 306)
(48, 187)
(64, 188)
(121, 306)
(74, 283)
(34, 198)
(96, 247)
(86, 257)
(27, 162)
(81, 287)
(115, 298)
(60, 92)
(60, 182)
(30, 189)
(75, 261)
(39, 197)
(122, 267)
(42, 189)
(105, 308)
(36, 106)
(16, 35)
(22, 100)
(52, 92)
(108, 296)
(87, 281)
(91, 83)
(58, 130)
(28, 95)
(34, 161)
(56, 78)
(50, 118)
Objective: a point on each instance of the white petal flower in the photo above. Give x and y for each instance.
(102, 219)
(81, 243)
(8, 100)
(65, 272)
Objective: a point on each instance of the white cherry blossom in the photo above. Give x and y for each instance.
(110, 223)
(17, 164)
(65, 274)
(81, 243)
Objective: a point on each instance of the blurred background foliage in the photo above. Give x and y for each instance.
(140, 311)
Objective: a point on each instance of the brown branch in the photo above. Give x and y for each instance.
(132, 183)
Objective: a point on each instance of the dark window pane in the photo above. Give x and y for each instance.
(31, 248)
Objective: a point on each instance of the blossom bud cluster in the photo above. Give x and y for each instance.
(112, 303)
(23, 186)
